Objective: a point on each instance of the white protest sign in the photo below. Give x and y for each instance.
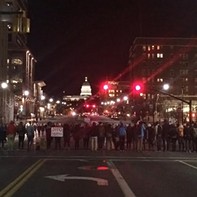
(56, 131)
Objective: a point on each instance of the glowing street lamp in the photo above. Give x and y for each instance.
(26, 93)
(42, 98)
(166, 86)
(4, 85)
(58, 102)
(51, 100)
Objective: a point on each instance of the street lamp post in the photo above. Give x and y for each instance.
(3, 97)
(26, 94)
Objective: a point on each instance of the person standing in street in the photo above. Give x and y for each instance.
(122, 136)
(158, 135)
(30, 135)
(181, 141)
(11, 133)
(86, 136)
(130, 135)
(66, 135)
(150, 136)
(48, 135)
(165, 135)
(141, 136)
(21, 130)
(101, 136)
(188, 137)
(94, 137)
(2, 134)
(109, 141)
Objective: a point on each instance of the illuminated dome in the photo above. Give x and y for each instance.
(86, 88)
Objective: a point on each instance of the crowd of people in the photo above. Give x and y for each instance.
(139, 136)
(9, 132)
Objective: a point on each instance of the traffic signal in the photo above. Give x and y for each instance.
(104, 87)
(138, 88)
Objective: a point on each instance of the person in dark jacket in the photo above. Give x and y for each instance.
(130, 135)
(122, 136)
(165, 135)
(66, 135)
(151, 136)
(86, 136)
(30, 135)
(173, 136)
(21, 130)
(2, 134)
(94, 137)
(187, 137)
(76, 135)
(48, 134)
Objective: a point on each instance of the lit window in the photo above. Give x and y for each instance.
(9, 4)
(148, 48)
(159, 55)
(9, 26)
(111, 95)
(158, 47)
(17, 61)
(183, 72)
(153, 47)
(148, 55)
(144, 48)
(159, 80)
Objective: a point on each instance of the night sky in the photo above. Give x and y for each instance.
(72, 39)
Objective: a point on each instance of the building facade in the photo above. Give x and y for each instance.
(156, 61)
(17, 62)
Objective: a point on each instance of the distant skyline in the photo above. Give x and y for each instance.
(72, 39)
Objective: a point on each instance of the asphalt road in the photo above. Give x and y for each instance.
(86, 173)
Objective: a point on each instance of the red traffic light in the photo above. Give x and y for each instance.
(138, 87)
(105, 87)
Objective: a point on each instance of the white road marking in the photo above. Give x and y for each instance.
(63, 177)
(122, 183)
(112, 158)
(187, 164)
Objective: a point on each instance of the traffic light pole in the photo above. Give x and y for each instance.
(180, 99)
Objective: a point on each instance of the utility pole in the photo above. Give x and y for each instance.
(180, 99)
